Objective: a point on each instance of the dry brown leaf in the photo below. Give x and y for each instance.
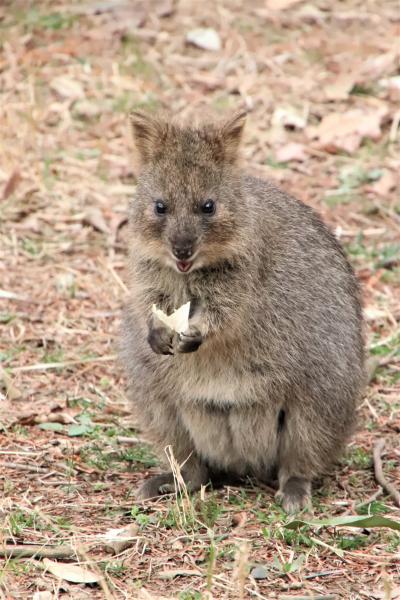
(61, 417)
(85, 108)
(204, 38)
(385, 184)
(393, 594)
(42, 596)
(292, 151)
(281, 4)
(239, 519)
(6, 381)
(172, 573)
(67, 88)
(345, 131)
(290, 117)
(341, 87)
(70, 572)
(376, 66)
(118, 540)
(94, 217)
(145, 595)
(12, 184)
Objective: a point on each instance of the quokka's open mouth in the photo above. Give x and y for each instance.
(184, 265)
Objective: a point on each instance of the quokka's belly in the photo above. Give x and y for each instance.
(240, 440)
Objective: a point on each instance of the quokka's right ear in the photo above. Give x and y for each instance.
(149, 134)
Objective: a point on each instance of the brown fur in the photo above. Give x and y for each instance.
(269, 373)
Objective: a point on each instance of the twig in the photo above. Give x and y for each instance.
(61, 365)
(123, 439)
(37, 551)
(319, 597)
(379, 476)
(23, 467)
(371, 499)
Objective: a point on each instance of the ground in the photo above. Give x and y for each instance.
(320, 81)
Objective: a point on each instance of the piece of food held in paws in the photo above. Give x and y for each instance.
(260, 369)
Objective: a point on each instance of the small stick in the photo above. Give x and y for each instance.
(62, 365)
(37, 551)
(372, 498)
(379, 476)
(123, 439)
(319, 597)
(22, 467)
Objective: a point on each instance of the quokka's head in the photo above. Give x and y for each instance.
(186, 211)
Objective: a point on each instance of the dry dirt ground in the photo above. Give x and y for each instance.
(321, 82)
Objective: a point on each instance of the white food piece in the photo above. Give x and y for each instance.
(178, 320)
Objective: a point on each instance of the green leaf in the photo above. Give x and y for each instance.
(79, 429)
(346, 521)
(85, 419)
(52, 426)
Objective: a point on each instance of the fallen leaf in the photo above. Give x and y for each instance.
(140, 8)
(239, 519)
(375, 66)
(119, 539)
(87, 109)
(42, 596)
(374, 314)
(65, 282)
(67, 88)
(390, 594)
(311, 14)
(292, 151)
(341, 87)
(6, 381)
(57, 427)
(70, 572)
(12, 184)
(289, 117)
(145, 595)
(94, 217)
(259, 572)
(345, 131)
(206, 39)
(281, 4)
(391, 83)
(163, 8)
(172, 573)
(385, 184)
(60, 417)
(348, 521)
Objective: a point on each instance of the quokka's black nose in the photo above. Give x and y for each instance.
(182, 252)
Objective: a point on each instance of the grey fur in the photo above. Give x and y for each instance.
(279, 367)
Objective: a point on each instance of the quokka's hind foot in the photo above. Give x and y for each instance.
(156, 486)
(295, 495)
(195, 474)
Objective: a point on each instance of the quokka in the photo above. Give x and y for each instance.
(265, 379)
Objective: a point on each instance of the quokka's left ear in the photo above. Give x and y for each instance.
(231, 134)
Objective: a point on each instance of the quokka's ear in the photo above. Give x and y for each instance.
(231, 133)
(149, 133)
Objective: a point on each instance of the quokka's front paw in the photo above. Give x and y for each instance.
(190, 340)
(160, 337)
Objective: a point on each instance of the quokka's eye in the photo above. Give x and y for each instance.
(208, 208)
(160, 208)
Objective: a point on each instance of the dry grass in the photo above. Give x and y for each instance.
(68, 78)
